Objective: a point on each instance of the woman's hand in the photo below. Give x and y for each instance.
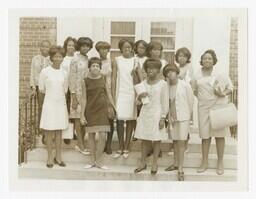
(161, 123)
(142, 95)
(83, 120)
(111, 112)
(74, 102)
(219, 93)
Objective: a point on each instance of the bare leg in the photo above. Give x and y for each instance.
(175, 154)
(156, 150)
(120, 134)
(144, 150)
(49, 137)
(80, 134)
(220, 144)
(100, 144)
(181, 150)
(205, 152)
(58, 141)
(92, 146)
(108, 149)
(129, 128)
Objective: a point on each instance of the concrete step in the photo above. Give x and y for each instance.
(75, 171)
(194, 145)
(192, 160)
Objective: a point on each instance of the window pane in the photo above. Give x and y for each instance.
(114, 54)
(123, 28)
(168, 56)
(162, 28)
(115, 41)
(167, 42)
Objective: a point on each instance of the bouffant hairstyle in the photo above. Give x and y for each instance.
(94, 60)
(66, 43)
(154, 45)
(212, 53)
(102, 45)
(56, 49)
(184, 51)
(137, 43)
(170, 67)
(84, 41)
(123, 41)
(152, 62)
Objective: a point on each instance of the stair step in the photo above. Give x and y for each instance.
(75, 171)
(191, 160)
(194, 145)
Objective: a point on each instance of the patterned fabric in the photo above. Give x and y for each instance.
(78, 72)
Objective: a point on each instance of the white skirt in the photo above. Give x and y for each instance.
(54, 115)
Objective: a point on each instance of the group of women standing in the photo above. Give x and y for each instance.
(95, 92)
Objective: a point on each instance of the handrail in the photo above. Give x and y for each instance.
(28, 126)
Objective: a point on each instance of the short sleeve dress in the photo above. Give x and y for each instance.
(54, 83)
(148, 121)
(207, 100)
(96, 112)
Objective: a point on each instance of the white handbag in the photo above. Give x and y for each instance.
(223, 116)
(68, 133)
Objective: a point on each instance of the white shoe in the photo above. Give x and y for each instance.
(101, 166)
(170, 153)
(84, 152)
(126, 154)
(88, 166)
(117, 154)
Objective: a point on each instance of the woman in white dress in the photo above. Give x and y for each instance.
(209, 98)
(70, 49)
(182, 58)
(124, 95)
(53, 85)
(151, 121)
(181, 105)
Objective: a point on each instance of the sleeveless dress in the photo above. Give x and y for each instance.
(96, 112)
(125, 93)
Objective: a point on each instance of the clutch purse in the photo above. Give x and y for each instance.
(223, 116)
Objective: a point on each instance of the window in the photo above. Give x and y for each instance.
(120, 30)
(164, 32)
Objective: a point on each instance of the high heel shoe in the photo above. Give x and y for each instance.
(180, 176)
(140, 169)
(61, 164)
(49, 165)
(154, 172)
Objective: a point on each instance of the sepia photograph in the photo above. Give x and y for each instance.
(130, 94)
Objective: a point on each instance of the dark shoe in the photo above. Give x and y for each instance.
(150, 153)
(67, 141)
(181, 176)
(160, 154)
(140, 169)
(171, 168)
(49, 165)
(61, 164)
(153, 172)
(134, 139)
(43, 140)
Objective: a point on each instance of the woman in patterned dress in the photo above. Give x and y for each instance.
(78, 71)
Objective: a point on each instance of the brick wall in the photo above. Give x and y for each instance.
(233, 55)
(32, 32)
